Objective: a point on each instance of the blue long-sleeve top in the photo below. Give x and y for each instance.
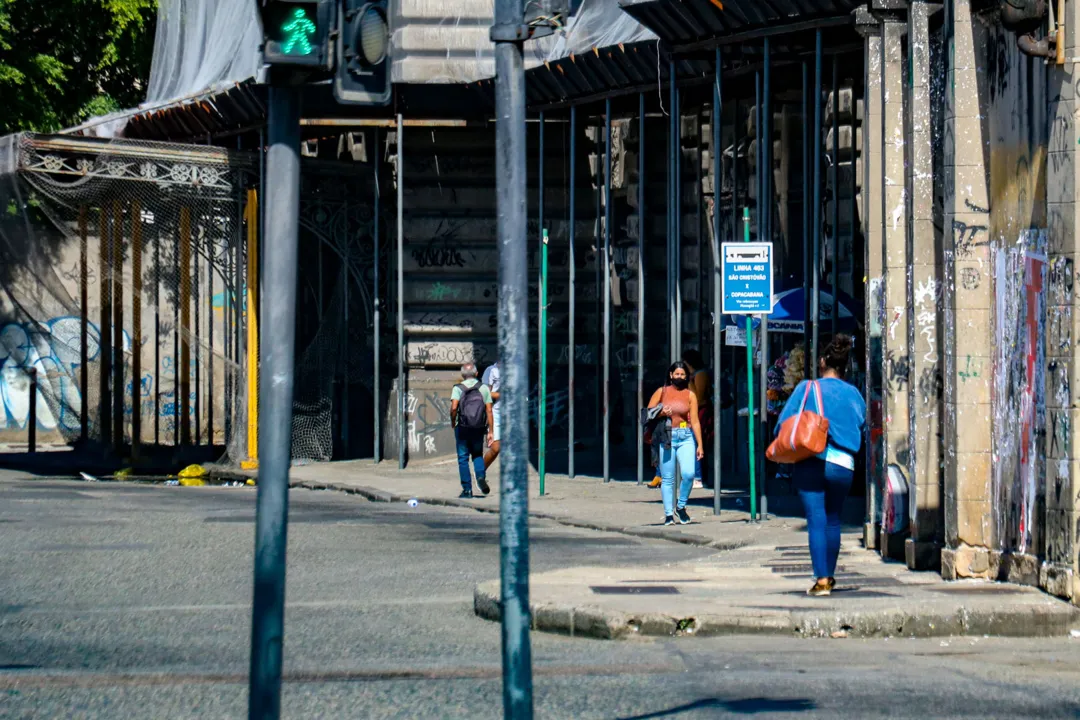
(845, 410)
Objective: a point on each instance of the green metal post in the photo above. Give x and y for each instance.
(751, 446)
(542, 414)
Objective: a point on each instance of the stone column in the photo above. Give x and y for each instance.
(968, 301)
(874, 233)
(895, 346)
(1060, 574)
(923, 548)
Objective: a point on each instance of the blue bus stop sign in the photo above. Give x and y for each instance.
(747, 278)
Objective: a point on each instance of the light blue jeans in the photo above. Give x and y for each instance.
(684, 450)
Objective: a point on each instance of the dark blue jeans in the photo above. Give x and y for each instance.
(470, 443)
(823, 487)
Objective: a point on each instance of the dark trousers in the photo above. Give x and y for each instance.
(823, 488)
(470, 444)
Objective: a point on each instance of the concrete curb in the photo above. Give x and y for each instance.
(377, 495)
(592, 621)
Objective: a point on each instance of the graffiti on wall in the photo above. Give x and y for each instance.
(1019, 389)
(52, 348)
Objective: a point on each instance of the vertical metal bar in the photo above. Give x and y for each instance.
(672, 209)
(641, 285)
(853, 205)
(759, 160)
(806, 204)
(282, 211)
(542, 409)
(815, 145)
(176, 337)
(31, 420)
(211, 395)
(84, 329)
(377, 310)
(678, 207)
(510, 171)
(718, 184)
(402, 420)
(541, 324)
(572, 350)
(136, 328)
(118, 328)
(835, 193)
(196, 335)
(736, 143)
(251, 304)
(767, 148)
(751, 445)
(157, 339)
(183, 402)
(598, 304)
(607, 290)
(346, 275)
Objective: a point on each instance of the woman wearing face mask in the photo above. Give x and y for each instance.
(679, 406)
(823, 482)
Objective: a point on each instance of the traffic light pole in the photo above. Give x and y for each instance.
(282, 214)
(509, 34)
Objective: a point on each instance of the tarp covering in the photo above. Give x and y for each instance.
(204, 46)
(597, 24)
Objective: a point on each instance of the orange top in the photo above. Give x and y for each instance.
(679, 402)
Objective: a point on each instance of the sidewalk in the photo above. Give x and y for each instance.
(755, 583)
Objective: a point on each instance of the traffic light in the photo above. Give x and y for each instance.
(297, 32)
(363, 52)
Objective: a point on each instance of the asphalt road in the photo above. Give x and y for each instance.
(131, 601)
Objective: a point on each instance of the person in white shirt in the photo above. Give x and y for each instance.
(493, 380)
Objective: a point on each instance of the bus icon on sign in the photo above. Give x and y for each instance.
(746, 253)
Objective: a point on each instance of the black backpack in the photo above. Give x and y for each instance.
(472, 410)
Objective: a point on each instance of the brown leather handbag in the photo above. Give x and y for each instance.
(802, 436)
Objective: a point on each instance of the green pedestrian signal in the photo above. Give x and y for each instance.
(297, 33)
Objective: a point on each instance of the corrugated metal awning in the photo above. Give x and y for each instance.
(614, 70)
(688, 24)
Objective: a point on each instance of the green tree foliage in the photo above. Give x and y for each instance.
(64, 61)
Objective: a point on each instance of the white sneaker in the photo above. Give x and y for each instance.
(698, 485)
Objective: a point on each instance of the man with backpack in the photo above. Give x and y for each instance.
(470, 414)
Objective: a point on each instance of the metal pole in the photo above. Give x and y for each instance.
(717, 158)
(376, 333)
(853, 205)
(759, 159)
(641, 284)
(835, 244)
(767, 148)
(542, 410)
(402, 420)
(815, 301)
(806, 205)
(751, 445)
(510, 171)
(84, 335)
(607, 291)
(672, 211)
(541, 290)
(31, 420)
(572, 350)
(282, 209)
(676, 265)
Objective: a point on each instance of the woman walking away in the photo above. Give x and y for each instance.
(823, 481)
(679, 406)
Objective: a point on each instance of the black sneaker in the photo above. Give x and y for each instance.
(683, 516)
(465, 495)
(669, 520)
(484, 488)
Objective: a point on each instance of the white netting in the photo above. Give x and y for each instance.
(122, 290)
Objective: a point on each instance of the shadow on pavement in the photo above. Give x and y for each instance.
(748, 706)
